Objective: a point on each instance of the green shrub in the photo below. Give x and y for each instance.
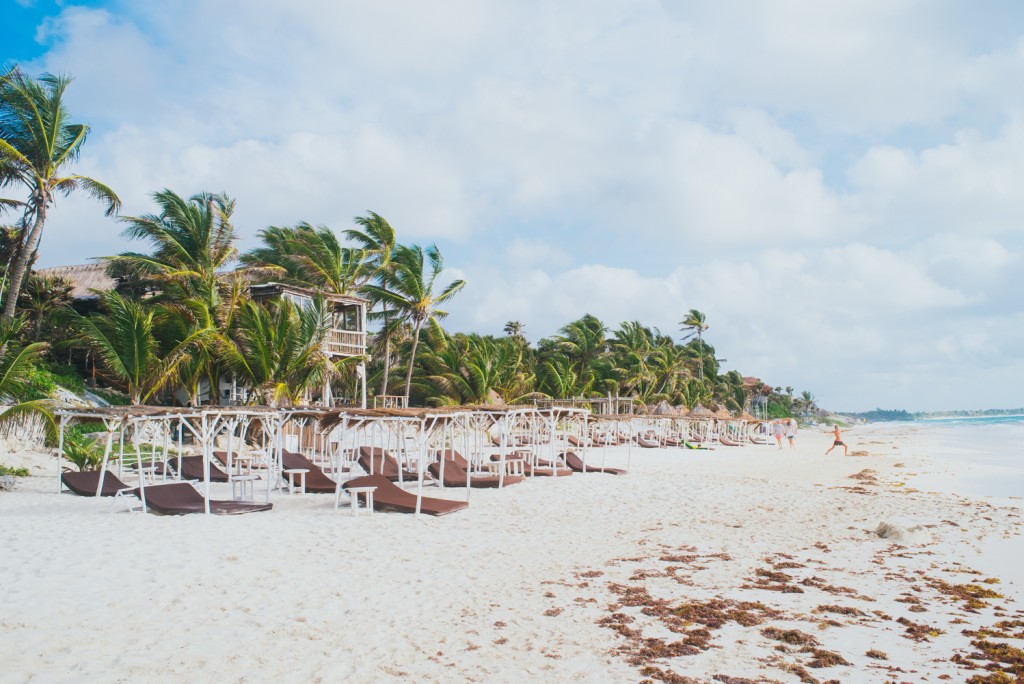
(40, 384)
(16, 472)
(86, 453)
(66, 376)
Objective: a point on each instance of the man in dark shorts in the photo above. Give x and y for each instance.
(837, 435)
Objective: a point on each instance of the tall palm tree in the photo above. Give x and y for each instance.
(38, 143)
(124, 338)
(377, 240)
(695, 324)
(193, 243)
(410, 292)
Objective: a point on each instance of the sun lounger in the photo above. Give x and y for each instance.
(390, 496)
(377, 461)
(317, 481)
(191, 468)
(541, 469)
(575, 463)
(453, 456)
(647, 444)
(179, 498)
(455, 476)
(86, 482)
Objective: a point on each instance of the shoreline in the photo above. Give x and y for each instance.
(507, 588)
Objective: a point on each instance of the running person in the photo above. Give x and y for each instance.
(837, 435)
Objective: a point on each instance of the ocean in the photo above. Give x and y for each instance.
(982, 457)
(986, 454)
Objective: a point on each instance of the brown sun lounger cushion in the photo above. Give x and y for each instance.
(391, 497)
(85, 483)
(192, 469)
(455, 476)
(576, 464)
(452, 456)
(382, 463)
(647, 444)
(317, 481)
(179, 498)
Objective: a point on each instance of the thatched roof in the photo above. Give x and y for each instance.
(699, 411)
(723, 414)
(663, 409)
(85, 277)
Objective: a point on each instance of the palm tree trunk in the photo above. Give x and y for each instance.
(412, 359)
(21, 260)
(24, 255)
(387, 358)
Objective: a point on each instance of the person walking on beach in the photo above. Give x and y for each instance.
(778, 430)
(837, 436)
(791, 432)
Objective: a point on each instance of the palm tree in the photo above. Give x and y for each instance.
(410, 292)
(193, 244)
(583, 343)
(469, 369)
(16, 367)
(695, 323)
(37, 144)
(312, 257)
(278, 349)
(123, 336)
(41, 297)
(515, 329)
(377, 240)
(193, 241)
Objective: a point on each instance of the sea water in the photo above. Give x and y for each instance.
(985, 456)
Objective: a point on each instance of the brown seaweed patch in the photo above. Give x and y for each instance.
(716, 612)
(917, 631)
(823, 658)
(792, 637)
(839, 610)
(644, 651)
(877, 655)
(1004, 629)
(1004, 657)
(973, 596)
(668, 676)
(618, 622)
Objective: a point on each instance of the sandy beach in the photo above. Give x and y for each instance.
(734, 565)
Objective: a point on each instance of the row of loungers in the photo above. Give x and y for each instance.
(178, 498)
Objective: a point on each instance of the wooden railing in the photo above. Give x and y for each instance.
(345, 343)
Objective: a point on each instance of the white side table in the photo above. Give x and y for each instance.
(242, 487)
(292, 486)
(367, 492)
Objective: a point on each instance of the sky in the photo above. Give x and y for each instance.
(839, 187)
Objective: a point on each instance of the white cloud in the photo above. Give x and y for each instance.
(838, 186)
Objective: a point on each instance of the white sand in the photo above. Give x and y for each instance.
(495, 593)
